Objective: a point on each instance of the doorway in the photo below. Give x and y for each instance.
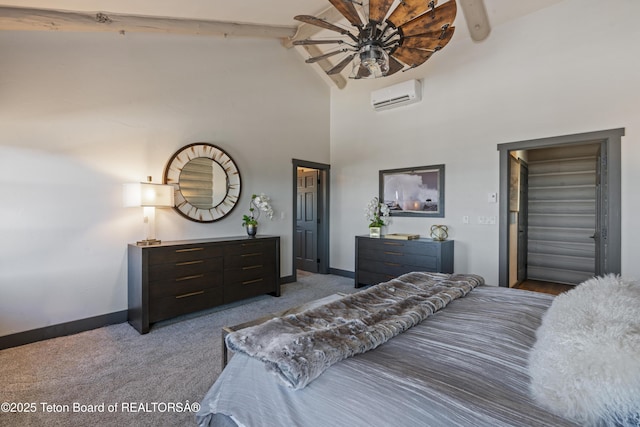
(560, 208)
(310, 217)
(555, 213)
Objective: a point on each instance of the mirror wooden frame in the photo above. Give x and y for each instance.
(233, 188)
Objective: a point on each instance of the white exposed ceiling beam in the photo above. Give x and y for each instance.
(306, 31)
(30, 19)
(326, 65)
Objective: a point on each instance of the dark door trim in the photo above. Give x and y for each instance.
(523, 222)
(323, 213)
(610, 141)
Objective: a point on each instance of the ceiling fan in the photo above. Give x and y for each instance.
(389, 39)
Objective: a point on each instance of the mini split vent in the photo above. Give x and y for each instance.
(397, 95)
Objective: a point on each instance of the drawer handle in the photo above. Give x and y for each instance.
(189, 262)
(248, 282)
(182, 279)
(393, 244)
(251, 267)
(393, 253)
(253, 254)
(189, 250)
(392, 264)
(190, 294)
(250, 244)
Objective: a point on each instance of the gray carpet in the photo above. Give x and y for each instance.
(144, 380)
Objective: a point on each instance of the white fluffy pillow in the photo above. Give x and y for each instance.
(585, 364)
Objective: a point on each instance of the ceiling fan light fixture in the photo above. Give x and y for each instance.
(411, 33)
(372, 61)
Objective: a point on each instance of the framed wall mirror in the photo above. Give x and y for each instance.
(206, 180)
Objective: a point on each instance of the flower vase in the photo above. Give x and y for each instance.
(375, 231)
(252, 230)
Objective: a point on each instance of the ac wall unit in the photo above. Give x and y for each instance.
(397, 95)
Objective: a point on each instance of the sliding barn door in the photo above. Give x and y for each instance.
(562, 213)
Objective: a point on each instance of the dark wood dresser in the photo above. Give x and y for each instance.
(379, 259)
(181, 277)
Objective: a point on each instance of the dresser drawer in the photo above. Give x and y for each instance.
(180, 269)
(395, 269)
(395, 258)
(249, 259)
(369, 278)
(249, 247)
(184, 285)
(171, 306)
(184, 253)
(249, 273)
(398, 247)
(249, 288)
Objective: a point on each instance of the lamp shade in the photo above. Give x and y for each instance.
(147, 194)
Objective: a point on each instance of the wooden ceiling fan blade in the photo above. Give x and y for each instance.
(433, 40)
(341, 65)
(326, 55)
(312, 20)
(431, 21)
(348, 10)
(378, 9)
(394, 66)
(308, 42)
(408, 10)
(411, 57)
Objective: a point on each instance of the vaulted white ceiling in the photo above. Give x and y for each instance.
(265, 14)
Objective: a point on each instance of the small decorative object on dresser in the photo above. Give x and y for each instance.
(180, 277)
(402, 236)
(148, 196)
(439, 232)
(375, 231)
(380, 260)
(256, 205)
(378, 215)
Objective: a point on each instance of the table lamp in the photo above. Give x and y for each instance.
(149, 196)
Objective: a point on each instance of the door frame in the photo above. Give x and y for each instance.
(610, 244)
(322, 207)
(523, 222)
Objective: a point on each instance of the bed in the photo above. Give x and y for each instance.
(464, 365)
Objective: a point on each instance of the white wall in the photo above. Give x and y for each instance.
(81, 114)
(566, 69)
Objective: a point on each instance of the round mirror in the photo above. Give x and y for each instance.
(206, 180)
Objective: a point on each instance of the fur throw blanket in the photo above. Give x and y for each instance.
(299, 347)
(585, 364)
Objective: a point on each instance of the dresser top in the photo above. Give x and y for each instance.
(166, 243)
(421, 239)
